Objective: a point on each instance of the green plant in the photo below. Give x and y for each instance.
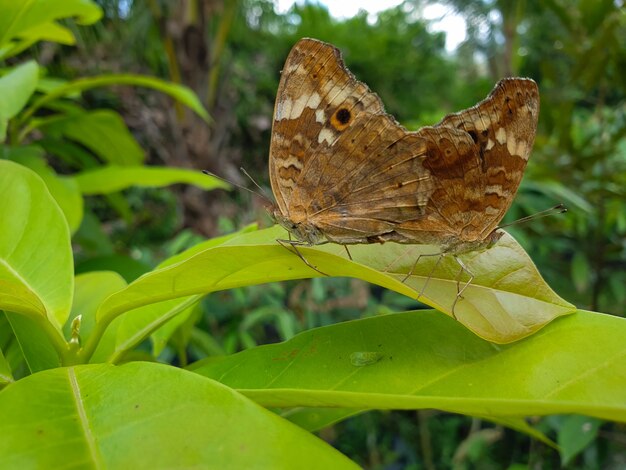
(70, 332)
(41, 119)
(78, 380)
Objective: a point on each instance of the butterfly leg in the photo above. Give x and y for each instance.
(348, 251)
(289, 244)
(412, 270)
(459, 289)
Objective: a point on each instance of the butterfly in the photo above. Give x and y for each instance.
(344, 171)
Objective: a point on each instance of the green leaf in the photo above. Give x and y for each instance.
(183, 321)
(430, 361)
(124, 265)
(92, 239)
(63, 188)
(222, 267)
(180, 93)
(146, 416)
(24, 19)
(11, 347)
(559, 192)
(16, 87)
(5, 371)
(211, 243)
(127, 331)
(574, 435)
(41, 348)
(103, 132)
(130, 329)
(71, 153)
(51, 31)
(314, 418)
(36, 268)
(115, 178)
(47, 84)
(507, 299)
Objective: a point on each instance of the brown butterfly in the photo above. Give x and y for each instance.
(344, 171)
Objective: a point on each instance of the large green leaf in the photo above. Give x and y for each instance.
(506, 301)
(115, 178)
(128, 330)
(16, 87)
(63, 188)
(36, 268)
(218, 268)
(426, 360)
(22, 23)
(181, 93)
(42, 347)
(143, 415)
(103, 132)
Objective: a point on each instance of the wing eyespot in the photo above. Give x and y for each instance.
(341, 119)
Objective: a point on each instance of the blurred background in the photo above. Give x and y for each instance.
(425, 59)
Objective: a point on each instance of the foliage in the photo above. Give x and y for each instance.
(101, 132)
(107, 319)
(97, 284)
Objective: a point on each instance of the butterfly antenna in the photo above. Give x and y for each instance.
(243, 170)
(262, 193)
(558, 209)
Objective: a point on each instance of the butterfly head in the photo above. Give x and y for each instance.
(302, 231)
(492, 238)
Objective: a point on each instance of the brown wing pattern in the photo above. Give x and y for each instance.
(477, 158)
(344, 168)
(313, 83)
(337, 160)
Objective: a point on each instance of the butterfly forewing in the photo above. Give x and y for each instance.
(343, 165)
(314, 85)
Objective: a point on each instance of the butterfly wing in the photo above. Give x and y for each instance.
(337, 160)
(477, 158)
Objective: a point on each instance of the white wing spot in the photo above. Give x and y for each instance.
(492, 211)
(341, 96)
(511, 145)
(326, 135)
(283, 109)
(522, 149)
(294, 161)
(501, 136)
(304, 101)
(319, 116)
(494, 189)
(479, 124)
